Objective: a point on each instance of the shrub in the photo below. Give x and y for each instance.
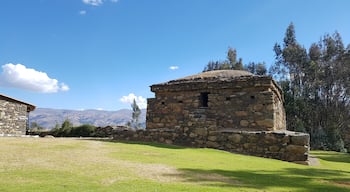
(83, 131)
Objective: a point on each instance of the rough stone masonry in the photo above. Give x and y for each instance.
(231, 110)
(13, 116)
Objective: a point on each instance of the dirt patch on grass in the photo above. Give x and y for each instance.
(168, 174)
(342, 184)
(213, 178)
(157, 172)
(338, 183)
(313, 161)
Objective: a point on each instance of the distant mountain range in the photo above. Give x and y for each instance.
(48, 118)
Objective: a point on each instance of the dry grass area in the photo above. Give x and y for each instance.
(88, 158)
(66, 164)
(85, 156)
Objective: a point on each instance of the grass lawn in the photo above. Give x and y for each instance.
(64, 164)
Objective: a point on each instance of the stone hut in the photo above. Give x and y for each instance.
(231, 110)
(216, 100)
(14, 116)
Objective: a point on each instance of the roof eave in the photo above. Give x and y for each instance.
(30, 107)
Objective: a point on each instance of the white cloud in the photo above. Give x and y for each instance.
(174, 67)
(82, 12)
(93, 2)
(141, 102)
(97, 2)
(64, 87)
(19, 76)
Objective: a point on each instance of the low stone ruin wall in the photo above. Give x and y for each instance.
(346, 138)
(282, 145)
(105, 131)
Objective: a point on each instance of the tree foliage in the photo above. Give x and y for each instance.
(231, 63)
(316, 86)
(136, 112)
(68, 130)
(34, 126)
(257, 68)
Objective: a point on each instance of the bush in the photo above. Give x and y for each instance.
(83, 131)
(80, 131)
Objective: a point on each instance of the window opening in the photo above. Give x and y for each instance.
(204, 99)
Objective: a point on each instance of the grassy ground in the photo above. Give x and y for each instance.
(54, 164)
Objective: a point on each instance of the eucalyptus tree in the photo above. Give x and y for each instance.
(316, 87)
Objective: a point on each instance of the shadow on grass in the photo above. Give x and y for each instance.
(333, 157)
(289, 179)
(158, 145)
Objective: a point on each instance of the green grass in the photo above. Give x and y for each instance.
(46, 164)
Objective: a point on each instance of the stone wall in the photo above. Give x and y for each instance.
(346, 138)
(282, 145)
(13, 118)
(246, 103)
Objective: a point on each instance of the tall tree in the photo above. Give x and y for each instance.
(290, 38)
(316, 87)
(231, 63)
(136, 112)
(256, 68)
(239, 65)
(261, 69)
(232, 57)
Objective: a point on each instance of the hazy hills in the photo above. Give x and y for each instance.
(48, 118)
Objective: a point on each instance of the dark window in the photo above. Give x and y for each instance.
(204, 99)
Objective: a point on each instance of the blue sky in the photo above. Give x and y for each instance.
(100, 54)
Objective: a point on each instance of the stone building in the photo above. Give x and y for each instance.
(215, 100)
(231, 110)
(14, 116)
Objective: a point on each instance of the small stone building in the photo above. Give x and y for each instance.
(215, 100)
(14, 116)
(231, 110)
